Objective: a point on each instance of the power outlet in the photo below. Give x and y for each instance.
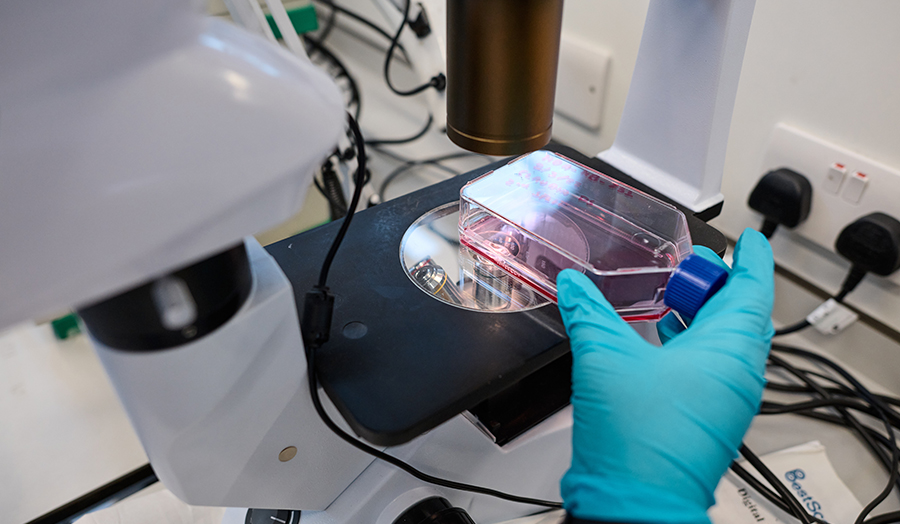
(846, 185)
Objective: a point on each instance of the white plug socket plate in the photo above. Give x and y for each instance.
(813, 157)
(581, 82)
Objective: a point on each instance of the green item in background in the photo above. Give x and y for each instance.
(303, 18)
(65, 327)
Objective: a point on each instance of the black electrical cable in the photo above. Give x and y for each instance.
(777, 408)
(438, 81)
(794, 388)
(768, 227)
(398, 141)
(406, 160)
(774, 498)
(843, 390)
(359, 18)
(354, 201)
(881, 450)
(396, 173)
(313, 385)
(314, 342)
(853, 278)
(327, 196)
(877, 403)
(858, 427)
(793, 328)
(839, 388)
(342, 73)
(838, 421)
(333, 192)
(414, 163)
(329, 24)
(105, 495)
(856, 384)
(877, 437)
(881, 445)
(798, 510)
(891, 516)
(761, 488)
(887, 444)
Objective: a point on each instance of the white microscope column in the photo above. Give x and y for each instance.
(214, 415)
(674, 129)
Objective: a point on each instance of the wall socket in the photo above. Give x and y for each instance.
(846, 185)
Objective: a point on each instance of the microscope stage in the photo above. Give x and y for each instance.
(400, 362)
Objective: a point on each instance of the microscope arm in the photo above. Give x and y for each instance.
(674, 131)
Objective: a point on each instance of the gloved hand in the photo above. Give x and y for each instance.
(656, 427)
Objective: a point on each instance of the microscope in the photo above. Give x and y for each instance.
(141, 146)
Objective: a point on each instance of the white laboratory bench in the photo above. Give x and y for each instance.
(63, 432)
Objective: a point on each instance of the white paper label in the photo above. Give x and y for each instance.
(806, 472)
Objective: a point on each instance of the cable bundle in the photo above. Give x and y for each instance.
(835, 396)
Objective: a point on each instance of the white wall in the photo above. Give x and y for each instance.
(831, 68)
(616, 26)
(828, 67)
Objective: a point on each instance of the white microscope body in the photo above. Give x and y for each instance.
(138, 139)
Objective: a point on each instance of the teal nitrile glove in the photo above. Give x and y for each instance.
(656, 427)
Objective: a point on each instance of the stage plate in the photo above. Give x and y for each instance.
(400, 362)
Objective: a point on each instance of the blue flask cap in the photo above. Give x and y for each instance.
(692, 283)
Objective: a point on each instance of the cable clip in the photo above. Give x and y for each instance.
(315, 325)
(832, 317)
